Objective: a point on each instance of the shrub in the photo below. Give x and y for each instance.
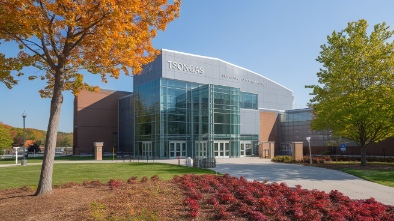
(144, 179)
(305, 159)
(369, 159)
(94, 183)
(155, 178)
(113, 184)
(232, 197)
(193, 206)
(283, 159)
(132, 180)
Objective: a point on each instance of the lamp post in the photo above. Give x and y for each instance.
(24, 140)
(310, 152)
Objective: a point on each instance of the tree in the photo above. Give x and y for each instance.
(34, 148)
(5, 139)
(63, 38)
(64, 139)
(356, 96)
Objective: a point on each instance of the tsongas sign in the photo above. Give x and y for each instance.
(185, 67)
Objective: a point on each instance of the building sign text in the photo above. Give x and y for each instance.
(184, 67)
(245, 80)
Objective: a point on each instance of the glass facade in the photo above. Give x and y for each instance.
(177, 118)
(147, 119)
(294, 126)
(248, 101)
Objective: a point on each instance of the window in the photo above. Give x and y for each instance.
(248, 101)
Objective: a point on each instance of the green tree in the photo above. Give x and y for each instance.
(61, 38)
(5, 139)
(64, 139)
(355, 98)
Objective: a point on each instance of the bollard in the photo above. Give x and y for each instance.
(179, 160)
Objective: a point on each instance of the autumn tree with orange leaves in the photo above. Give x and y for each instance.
(63, 37)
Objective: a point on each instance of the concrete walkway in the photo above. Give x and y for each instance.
(308, 177)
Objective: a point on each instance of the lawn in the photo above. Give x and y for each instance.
(377, 172)
(38, 159)
(384, 177)
(19, 176)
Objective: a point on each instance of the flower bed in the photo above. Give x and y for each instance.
(230, 198)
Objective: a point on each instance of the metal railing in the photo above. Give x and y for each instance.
(204, 162)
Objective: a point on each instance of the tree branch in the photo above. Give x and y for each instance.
(47, 55)
(85, 32)
(53, 43)
(28, 47)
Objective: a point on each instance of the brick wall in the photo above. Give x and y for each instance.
(95, 119)
(269, 127)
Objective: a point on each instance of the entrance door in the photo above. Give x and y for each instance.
(246, 149)
(222, 149)
(147, 148)
(201, 149)
(177, 148)
(242, 150)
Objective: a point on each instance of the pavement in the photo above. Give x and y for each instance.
(311, 178)
(308, 177)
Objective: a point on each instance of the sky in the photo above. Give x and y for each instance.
(279, 39)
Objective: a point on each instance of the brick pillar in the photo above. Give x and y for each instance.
(267, 149)
(98, 150)
(297, 150)
(271, 149)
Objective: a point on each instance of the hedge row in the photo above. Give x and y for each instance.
(322, 159)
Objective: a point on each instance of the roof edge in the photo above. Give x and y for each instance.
(200, 56)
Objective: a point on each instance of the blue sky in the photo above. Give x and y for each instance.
(278, 39)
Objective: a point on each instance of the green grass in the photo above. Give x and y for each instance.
(384, 177)
(18, 176)
(39, 159)
(12, 161)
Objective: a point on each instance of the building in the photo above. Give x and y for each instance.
(96, 120)
(185, 105)
(189, 105)
(294, 126)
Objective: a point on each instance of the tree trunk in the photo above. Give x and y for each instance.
(45, 183)
(363, 156)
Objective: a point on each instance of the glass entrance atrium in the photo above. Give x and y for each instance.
(178, 118)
